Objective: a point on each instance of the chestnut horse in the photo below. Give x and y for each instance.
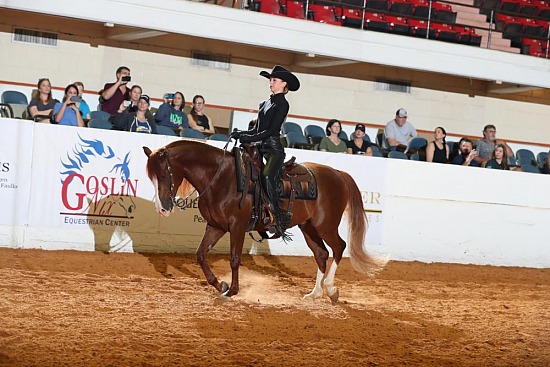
(211, 171)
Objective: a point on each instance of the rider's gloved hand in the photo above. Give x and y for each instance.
(235, 135)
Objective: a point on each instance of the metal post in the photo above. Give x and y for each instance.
(429, 19)
(307, 10)
(490, 28)
(548, 40)
(363, 17)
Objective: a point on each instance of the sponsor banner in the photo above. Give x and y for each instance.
(97, 180)
(16, 146)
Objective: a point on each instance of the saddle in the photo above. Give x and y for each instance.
(298, 182)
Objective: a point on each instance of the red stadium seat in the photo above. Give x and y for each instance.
(295, 9)
(352, 18)
(445, 32)
(380, 5)
(511, 6)
(401, 7)
(528, 8)
(421, 8)
(531, 27)
(467, 35)
(323, 14)
(534, 47)
(544, 9)
(267, 6)
(443, 12)
(376, 22)
(398, 24)
(419, 28)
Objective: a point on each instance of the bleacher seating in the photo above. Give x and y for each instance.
(515, 19)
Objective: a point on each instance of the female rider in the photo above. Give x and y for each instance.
(267, 132)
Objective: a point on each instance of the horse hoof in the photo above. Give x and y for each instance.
(309, 297)
(334, 297)
(225, 298)
(225, 287)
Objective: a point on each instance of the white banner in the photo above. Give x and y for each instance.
(91, 191)
(15, 171)
(86, 189)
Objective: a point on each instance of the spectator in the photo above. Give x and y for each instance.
(42, 103)
(67, 112)
(499, 158)
(486, 146)
(359, 145)
(438, 151)
(171, 114)
(546, 167)
(139, 121)
(83, 106)
(113, 94)
(197, 119)
(131, 105)
(467, 153)
(398, 132)
(332, 143)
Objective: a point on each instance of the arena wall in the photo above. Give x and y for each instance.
(417, 210)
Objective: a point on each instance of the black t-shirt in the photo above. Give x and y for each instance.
(356, 150)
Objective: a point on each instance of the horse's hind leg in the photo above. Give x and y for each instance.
(315, 243)
(338, 245)
(209, 240)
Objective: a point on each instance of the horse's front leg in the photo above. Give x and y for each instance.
(237, 241)
(209, 240)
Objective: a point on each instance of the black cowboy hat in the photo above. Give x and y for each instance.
(283, 74)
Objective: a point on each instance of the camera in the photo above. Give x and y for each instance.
(126, 78)
(76, 99)
(169, 96)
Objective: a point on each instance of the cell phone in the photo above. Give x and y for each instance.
(126, 103)
(169, 95)
(76, 99)
(126, 78)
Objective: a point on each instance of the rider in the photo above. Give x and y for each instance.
(267, 131)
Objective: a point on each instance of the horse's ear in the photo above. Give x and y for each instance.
(147, 151)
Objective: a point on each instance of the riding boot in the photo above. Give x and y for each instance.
(282, 219)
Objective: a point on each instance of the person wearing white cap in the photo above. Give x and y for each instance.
(267, 131)
(398, 132)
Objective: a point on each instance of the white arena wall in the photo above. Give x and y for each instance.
(417, 210)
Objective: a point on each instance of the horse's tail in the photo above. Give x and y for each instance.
(358, 227)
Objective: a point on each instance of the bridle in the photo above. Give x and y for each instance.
(180, 203)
